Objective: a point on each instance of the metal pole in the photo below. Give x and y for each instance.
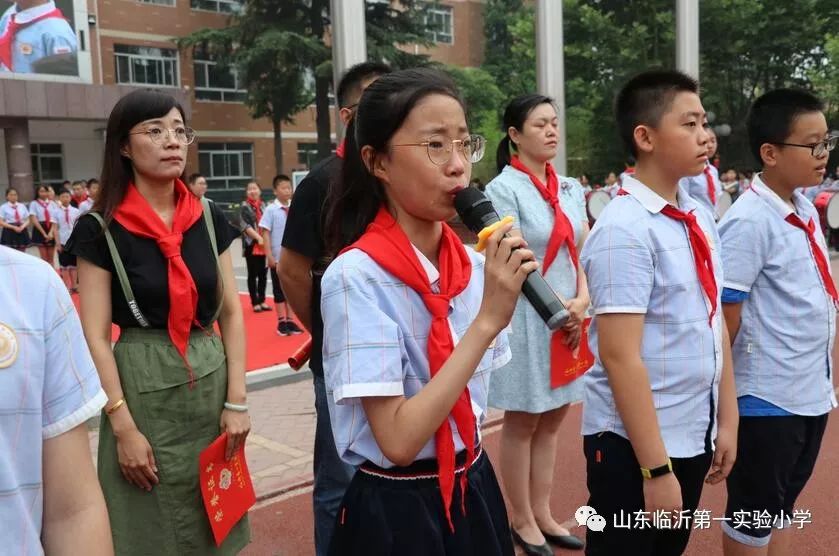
(349, 41)
(550, 67)
(687, 36)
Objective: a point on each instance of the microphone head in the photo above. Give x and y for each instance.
(474, 209)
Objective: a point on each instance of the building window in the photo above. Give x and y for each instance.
(47, 163)
(307, 154)
(439, 21)
(159, 2)
(220, 6)
(216, 84)
(143, 65)
(226, 165)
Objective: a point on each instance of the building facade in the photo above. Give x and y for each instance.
(53, 116)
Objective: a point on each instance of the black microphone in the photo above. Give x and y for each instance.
(477, 212)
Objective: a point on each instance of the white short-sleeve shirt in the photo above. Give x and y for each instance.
(638, 260)
(7, 213)
(782, 352)
(66, 218)
(375, 331)
(274, 219)
(50, 388)
(697, 187)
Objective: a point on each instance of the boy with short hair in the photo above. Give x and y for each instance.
(272, 227)
(661, 390)
(779, 303)
(66, 216)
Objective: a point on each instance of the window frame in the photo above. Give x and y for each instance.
(175, 60)
(204, 64)
(218, 3)
(36, 156)
(225, 148)
(443, 11)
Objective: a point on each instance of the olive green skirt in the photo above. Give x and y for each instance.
(178, 422)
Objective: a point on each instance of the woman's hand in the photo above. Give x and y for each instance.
(508, 263)
(577, 308)
(237, 425)
(136, 459)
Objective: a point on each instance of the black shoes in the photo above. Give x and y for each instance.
(569, 542)
(288, 328)
(532, 549)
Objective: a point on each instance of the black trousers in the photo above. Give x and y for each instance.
(616, 491)
(257, 278)
(384, 516)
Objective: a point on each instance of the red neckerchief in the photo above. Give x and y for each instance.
(818, 254)
(8, 38)
(386, 243)
(17, 214)
(709, 179)
(137, 217)
(702, 260)
(342, 146)
(66, 214)
(256, 205)
(45, 205)
(563, 231)
(80, 199)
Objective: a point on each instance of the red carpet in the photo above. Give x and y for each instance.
(265, 347)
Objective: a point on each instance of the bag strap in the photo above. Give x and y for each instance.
(121, 274)
(211, 229)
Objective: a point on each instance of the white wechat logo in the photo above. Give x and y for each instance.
(586, 515)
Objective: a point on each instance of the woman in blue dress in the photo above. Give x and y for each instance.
(550, 213)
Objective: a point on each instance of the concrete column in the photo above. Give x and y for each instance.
(550, 67)
(19, 157)
(349, 41)
(687, 37)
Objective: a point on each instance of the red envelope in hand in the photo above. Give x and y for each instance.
(225, 486)
(565, 367)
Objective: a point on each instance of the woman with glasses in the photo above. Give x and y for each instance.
(154, 260)
(549, 211)
(413, 327)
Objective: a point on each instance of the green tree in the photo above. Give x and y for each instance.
(281, 53)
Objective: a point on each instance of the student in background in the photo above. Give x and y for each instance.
(51, 502)
(253, 246)
(197, 184)
(413, 326)
(66, 217)
(91, 192)
(79, 193)
(779, 303)
(272, 227)
(43, 225)
(705, 188)
(14, 219)
(659, 407)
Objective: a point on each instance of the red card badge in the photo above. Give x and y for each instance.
(565, 367)
(225, 486)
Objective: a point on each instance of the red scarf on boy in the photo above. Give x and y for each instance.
(386, 243)
(136, 215)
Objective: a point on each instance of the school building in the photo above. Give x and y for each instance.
(53, 125)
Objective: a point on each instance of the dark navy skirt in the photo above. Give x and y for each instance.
(15, 240)
(399, 511)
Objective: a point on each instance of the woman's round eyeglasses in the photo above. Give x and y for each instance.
(158, 135)
(440, 148)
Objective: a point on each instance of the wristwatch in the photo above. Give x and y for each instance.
(657, 471)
